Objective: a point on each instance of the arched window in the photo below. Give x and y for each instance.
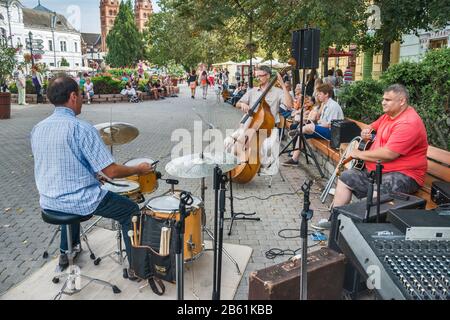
(110, 12)
(145, 15)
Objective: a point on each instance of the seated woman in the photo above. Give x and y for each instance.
(330, 110)
(130, 92)
(89, 89)
(156, 86)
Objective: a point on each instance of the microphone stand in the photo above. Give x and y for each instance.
(378, 174)
(369, 200)
(185, 199)
(219, 182)
(306, 215)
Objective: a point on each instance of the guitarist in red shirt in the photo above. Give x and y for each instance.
(400, 143)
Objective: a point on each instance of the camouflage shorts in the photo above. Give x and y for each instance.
(358, 182)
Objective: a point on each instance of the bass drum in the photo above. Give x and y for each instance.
(148, 182)
(166, 208)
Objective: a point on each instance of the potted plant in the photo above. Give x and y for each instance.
(7, 64)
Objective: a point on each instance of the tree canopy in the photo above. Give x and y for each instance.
(192, 31)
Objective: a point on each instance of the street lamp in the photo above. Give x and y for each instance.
(8, 4)
(30, 36)
(53, 20)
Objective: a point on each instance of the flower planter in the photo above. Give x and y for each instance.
(5, 105)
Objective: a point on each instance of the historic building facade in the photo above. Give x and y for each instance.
(58, 38)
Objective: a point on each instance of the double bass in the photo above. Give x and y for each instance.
(256, 125)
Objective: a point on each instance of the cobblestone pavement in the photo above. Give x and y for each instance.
(24, 236)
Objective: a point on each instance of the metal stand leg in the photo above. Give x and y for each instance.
(235, 215)
(85, 239)
(117, 255)
(209, 233)
(73, 277)
(45, 255)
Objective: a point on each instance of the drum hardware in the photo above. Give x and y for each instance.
(235, 215)
(201, 166)
(185, 200)
(132, 191)
(219, 182)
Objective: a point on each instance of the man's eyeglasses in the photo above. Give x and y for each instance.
(262, 75)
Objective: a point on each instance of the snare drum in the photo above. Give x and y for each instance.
(148, 182)
(167, 207)
(131, 191)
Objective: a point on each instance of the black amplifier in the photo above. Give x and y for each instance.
(440, 192)
(343, 131)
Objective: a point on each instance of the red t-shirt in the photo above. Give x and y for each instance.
(407, 136)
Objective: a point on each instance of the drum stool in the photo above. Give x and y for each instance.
(72, 276)
(83, 236)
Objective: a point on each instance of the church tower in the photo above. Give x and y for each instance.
(109, 9)
(142, 12)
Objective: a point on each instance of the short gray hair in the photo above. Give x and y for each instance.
(398, 89)
(266, 69)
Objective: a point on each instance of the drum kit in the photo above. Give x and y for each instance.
(166, 206)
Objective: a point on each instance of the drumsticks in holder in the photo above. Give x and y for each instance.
(131, 235)
(134, 220)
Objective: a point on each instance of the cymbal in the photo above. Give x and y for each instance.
(195, 166)
(117, 133)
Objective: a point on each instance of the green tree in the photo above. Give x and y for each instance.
(399, 18)
(64, 62)
(124, 41)
(174, 38)
(8, 61)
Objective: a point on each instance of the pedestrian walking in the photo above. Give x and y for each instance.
(204, 83)
(193, 83)
(38, 83)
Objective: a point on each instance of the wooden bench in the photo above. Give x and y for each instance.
(438, 164)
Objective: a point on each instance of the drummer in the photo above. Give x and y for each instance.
(68, 155)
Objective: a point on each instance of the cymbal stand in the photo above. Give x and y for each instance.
(220, 180)
(185, 199)
(208, 232)
(235, 215)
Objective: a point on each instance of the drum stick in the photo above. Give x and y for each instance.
(134, 220)
(131, 235)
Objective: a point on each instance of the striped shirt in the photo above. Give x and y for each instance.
(68, 153)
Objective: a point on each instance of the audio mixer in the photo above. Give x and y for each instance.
(395, 267)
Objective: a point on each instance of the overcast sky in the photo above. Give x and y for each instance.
(88, 11)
